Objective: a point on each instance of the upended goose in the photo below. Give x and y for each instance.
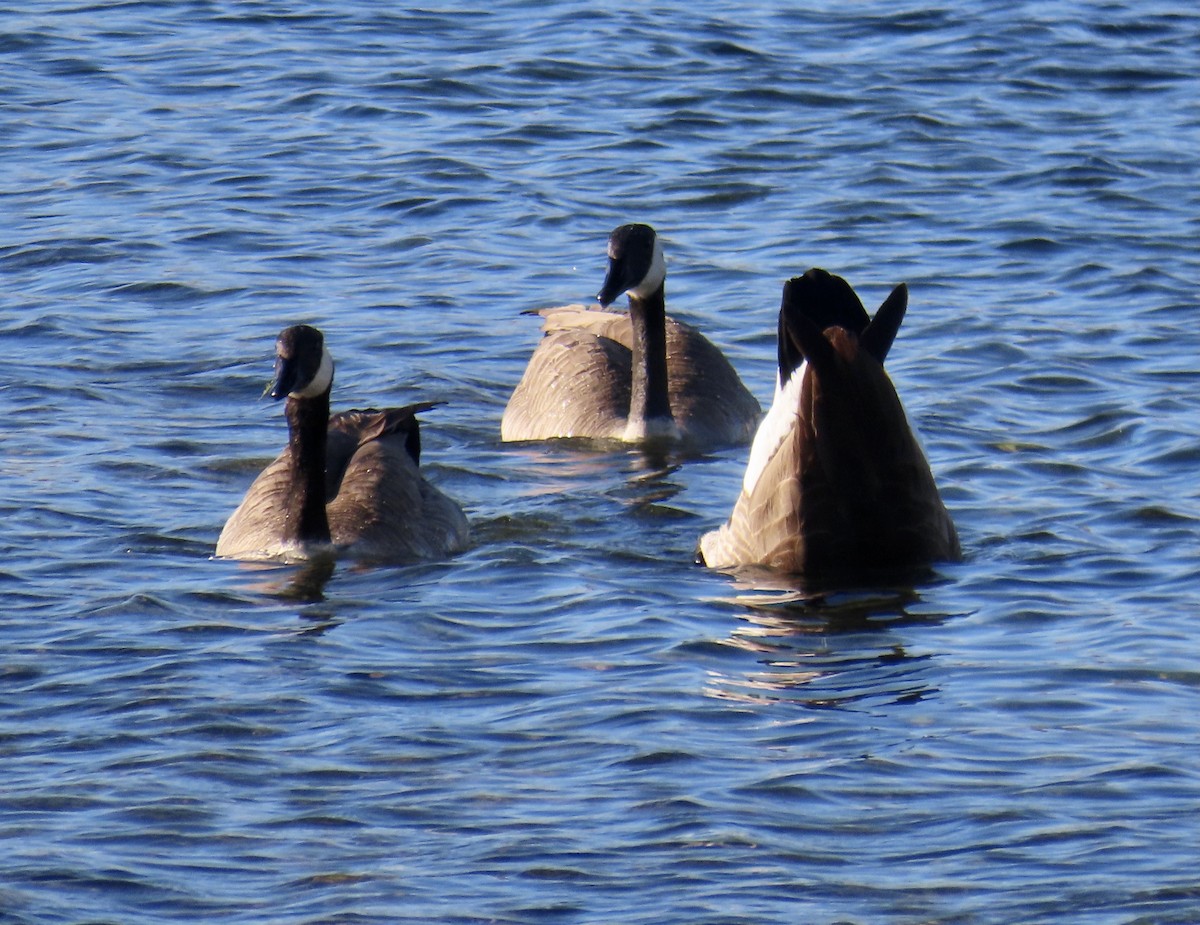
(634, 377)
(347, 483)
(836, 482)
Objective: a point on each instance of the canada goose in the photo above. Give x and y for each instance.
(350, 482)
(836, 481)
(633, 377)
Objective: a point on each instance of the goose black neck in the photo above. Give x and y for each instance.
(649, 399)
(308, 425)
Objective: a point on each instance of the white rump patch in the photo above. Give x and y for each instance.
(321, 381)
(779, 421)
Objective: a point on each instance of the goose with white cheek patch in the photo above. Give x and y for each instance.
(837, 482)
(348, 483)
(635, 377)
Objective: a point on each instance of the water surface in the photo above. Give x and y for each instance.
(571, 722)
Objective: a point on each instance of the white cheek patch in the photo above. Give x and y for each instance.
(654, 276)
(779, 421)
(321, 381)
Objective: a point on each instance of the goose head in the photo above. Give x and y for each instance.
(635, 264)
(303, 365)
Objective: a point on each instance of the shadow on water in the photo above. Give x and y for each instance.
(823, 645)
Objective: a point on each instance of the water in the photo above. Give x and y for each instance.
(571, 722)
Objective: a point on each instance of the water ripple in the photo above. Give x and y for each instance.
(571, 720)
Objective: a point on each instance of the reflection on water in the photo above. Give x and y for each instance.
(303, 583)
(650, 482)
(640, 478)
(558, 466)
(571, 721)
(824, 648)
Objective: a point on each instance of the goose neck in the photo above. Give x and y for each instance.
(308, 425)
(649, 400)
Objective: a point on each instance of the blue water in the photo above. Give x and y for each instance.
(571, 722)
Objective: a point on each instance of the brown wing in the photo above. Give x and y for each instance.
(253, 531)
(383, 507)
(594, 320)
(577, 381)
(348, 430)
(710, 404)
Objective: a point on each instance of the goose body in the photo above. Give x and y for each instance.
(836, 482)
(350, 482)
(635, 376)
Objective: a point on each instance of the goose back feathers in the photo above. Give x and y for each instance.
(837, 482)
(632, 376)
(348, 482)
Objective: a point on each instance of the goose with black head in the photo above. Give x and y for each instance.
(636, 377)
(347, 483)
